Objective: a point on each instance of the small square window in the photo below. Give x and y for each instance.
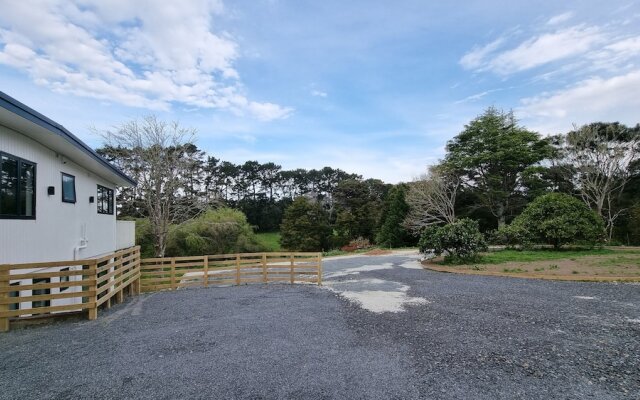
(68, 188)
(105, 200)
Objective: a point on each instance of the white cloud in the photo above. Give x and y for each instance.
(594, 99)
(477, 56)
(560, 18)
(139, 53)
(318, 93)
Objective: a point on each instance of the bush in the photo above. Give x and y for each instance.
(556, 219)
(461, 241)
(357, 244)
(220, 231)
(305, 227)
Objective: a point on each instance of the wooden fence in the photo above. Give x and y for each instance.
(229, 269)
(28, 290)
(51, 288)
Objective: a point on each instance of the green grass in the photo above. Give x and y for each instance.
(270, 241)
(504, 256)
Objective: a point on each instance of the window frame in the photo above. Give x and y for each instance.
(39, 292)
(75, 192)
(14, 293)
(20, 161)
(111, 202)
(65, 279)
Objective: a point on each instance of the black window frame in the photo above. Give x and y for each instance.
(110, 193)
(75, 192)
(64, 279)
(20, 161)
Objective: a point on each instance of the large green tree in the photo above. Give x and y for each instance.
(305, 226)
(392, 232)
(491, 154)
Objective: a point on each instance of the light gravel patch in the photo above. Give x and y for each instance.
(358, 270)
(376, 295)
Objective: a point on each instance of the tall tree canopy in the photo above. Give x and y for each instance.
(491, 154)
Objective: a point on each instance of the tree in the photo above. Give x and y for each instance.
(461, 241)
(158, 153)
(432, 199)
(601, 155)
(305, 227)
(392, 232)
(358, 208)
(220, 231)
(490, 154)
(556, 219)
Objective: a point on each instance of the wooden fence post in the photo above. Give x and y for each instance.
(319, 269)
(120, 266)
(4, 294)
(205, 278)
(137, 283)
(173, 273)
(291, 259)
(93, 287)
(264, 267)
(238, 269)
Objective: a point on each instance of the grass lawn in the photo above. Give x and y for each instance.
(270, 241)
(595, 264)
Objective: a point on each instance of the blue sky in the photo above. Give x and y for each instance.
(372, 87)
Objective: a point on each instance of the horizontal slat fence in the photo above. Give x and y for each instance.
(171, 273)
(66, 286)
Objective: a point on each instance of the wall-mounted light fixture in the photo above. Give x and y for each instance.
(91, 199)
(51, 190)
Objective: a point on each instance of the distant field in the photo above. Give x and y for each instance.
(270, 241)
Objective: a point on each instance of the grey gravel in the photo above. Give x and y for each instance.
(477, 338)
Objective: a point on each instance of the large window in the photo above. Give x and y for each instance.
(105, 200)
(15, 293)
(17, 187)
(68, 188)
(38, 292)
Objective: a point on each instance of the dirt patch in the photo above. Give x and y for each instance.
(614, 267)
(378, 252)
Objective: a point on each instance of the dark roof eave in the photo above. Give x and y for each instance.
(9, 103)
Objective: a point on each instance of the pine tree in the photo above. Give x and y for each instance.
(392, 232)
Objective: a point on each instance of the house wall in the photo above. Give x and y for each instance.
(58, 226)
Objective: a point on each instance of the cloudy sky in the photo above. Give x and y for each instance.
(373, 87)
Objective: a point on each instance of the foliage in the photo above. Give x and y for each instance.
(144, 237)
(491, 154)
(220, 231)
(269, 241)
(432, 199)
(461, 241)
(392, 232)
(556, 219)
(357, 244)
(305, 227)
(359, 207)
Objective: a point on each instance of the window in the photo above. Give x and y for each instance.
(105, 200)
(16, 293)
(64, 279)
(17, 187)
(68, 188)
(38, 292)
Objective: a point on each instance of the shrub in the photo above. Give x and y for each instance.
(305, 227)
(220, 231)
(556, 219)
(357, 244)
(461, 241)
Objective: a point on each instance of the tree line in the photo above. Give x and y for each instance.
(491, 171)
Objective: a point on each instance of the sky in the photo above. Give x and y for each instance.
(372, 87)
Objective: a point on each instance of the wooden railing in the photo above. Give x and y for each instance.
(65, 286)
(229, 269)
(51, 288)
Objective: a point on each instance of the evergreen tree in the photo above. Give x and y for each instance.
(392, 232)
(305, 227)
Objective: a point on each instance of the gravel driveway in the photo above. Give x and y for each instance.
(379, 328)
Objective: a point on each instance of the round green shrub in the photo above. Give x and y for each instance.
(461, 241)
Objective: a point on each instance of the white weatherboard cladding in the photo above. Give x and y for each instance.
(58, 227)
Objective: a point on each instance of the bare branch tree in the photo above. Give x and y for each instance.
(161, 168)
(432, 199)
(601, 155)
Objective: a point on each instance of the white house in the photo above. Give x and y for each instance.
(56, 194)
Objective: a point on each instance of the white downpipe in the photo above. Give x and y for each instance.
(83, 242)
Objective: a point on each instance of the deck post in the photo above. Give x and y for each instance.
(173, 273)
(93, 287)
(319, 269)
(205, 278)
(237, 269)
(264, 267)
(4, 294)
(291, 260)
